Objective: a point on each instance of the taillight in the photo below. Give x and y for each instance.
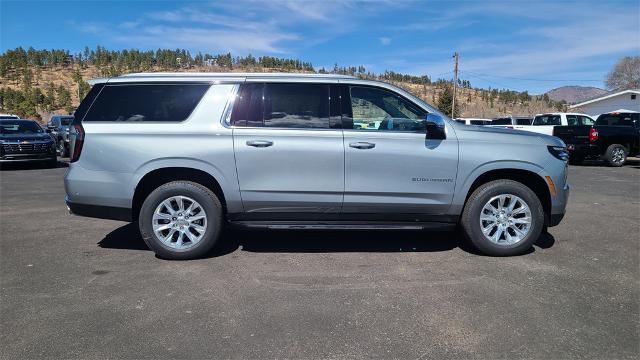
(78, 141)
(593, 135)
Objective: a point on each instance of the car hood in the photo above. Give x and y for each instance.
(24, 137)
(502, 135)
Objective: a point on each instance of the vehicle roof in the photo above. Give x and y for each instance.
(560, 113)
(214, 76)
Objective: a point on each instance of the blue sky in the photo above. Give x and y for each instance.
(522, 45)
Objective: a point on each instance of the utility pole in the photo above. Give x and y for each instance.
(455, 82)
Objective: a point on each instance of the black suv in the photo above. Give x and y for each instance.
(24, 140)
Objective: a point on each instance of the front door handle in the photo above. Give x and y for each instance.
(259, 143)
(362, 145)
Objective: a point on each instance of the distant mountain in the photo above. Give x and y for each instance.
(575, 94)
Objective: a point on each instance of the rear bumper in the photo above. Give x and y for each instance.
(98, 211)
(584, 150)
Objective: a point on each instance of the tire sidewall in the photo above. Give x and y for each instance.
(610, 151)
(471, 221)
(205, 198)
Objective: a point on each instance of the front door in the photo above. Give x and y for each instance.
(289, 151)
(390, 166)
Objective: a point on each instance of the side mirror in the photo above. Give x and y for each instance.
(435, 127)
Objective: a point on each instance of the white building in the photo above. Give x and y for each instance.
(622, 100)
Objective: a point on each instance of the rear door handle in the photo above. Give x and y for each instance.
(362, 145)
(259, 143)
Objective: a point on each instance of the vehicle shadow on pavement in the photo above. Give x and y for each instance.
(317, 241)
(35, 165)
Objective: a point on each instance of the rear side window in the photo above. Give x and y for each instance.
(585, 120)
(542, 120)
(295, 106)
(614, 120)
(501, 121)
(146, 102)
(524, 121)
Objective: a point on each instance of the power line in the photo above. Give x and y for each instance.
(529, 79)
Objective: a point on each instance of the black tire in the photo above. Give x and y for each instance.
(616, 155)
(470, 220)
(61, 148)
(210, 204)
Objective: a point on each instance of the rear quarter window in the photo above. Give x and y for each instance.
(145, 102)
(615, 120)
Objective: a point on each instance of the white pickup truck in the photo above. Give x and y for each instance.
(544, 123)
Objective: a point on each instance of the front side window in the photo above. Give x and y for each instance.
(542, 120)
(146, 102)
(523, 121)
(501, 121)
(381, 110)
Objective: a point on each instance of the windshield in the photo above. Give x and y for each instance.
(541, 120)
(19, 127)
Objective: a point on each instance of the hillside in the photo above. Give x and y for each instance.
(574, 94)
(39, 83)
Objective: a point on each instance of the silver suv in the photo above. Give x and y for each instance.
(184, 154)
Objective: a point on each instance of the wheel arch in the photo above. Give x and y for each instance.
(159, 176)
(528, 177)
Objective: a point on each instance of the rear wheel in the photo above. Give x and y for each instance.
(616, 155)
(181, 220)
(503, 218)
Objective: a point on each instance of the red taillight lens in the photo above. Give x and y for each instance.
(78, 142)
(593, 135)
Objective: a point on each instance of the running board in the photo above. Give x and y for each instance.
(344, 225)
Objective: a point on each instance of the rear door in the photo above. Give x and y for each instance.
(390, 166)
(288, 148)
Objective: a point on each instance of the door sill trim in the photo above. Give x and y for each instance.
(344, 225)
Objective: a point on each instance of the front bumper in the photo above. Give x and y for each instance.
(11, 158)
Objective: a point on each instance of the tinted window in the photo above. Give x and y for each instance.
(614, 120)
(66, 121)
(542, 120)
(501, 121)
(572, 120)
(378, 109)
(146, 102)
(460, 121)
(247, 110)
(480, 122)
(296, 105)
(523, 121)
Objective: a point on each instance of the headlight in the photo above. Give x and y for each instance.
(559, 152)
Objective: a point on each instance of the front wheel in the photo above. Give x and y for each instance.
(62, 149)
(181, 220)
(503, 218)
(616, 155)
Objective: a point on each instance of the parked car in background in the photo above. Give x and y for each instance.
(612, 137)
(25, 140)
(544, 123)
(302, 151)
(511, 121)
(473, 121)
(9, 116)
(59, 127)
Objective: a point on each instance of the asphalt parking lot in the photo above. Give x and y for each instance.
(74, 287)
